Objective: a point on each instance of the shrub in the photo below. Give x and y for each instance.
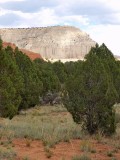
(82, 157)
(109, 154)
(7, 154)
(91, 95)
(48, 152)
(86, 146)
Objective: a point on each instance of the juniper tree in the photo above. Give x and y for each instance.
(32, 84)
(10, 85)
(90, 96)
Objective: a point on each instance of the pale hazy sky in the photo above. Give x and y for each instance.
(99, 18)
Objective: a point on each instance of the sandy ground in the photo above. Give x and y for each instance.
(63, 150)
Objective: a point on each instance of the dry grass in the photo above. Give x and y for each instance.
(51, 124)
(6, 153)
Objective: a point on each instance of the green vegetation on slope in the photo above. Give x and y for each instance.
(89, 88)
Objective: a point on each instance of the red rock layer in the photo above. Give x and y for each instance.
(30, 54)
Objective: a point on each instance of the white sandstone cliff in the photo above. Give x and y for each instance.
(59, 42)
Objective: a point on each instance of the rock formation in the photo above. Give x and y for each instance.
(30, 54)
(58, 42)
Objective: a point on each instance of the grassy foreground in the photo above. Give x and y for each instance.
(51, 125)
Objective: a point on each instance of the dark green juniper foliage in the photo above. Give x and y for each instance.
(91, 86)
(48, 77)
(59, 70)
(90, 96)
(11, 83)
(32, 84)
(112, 66)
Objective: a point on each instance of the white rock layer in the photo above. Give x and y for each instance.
(59, 42)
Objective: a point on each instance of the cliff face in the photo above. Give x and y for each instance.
(59, 42)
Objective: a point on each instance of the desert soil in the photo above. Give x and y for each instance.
(63, 150)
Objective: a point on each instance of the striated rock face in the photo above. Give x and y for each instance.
(59, 42)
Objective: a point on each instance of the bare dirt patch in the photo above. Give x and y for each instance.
(63, 150)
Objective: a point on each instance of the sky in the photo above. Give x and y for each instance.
(99, 18)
